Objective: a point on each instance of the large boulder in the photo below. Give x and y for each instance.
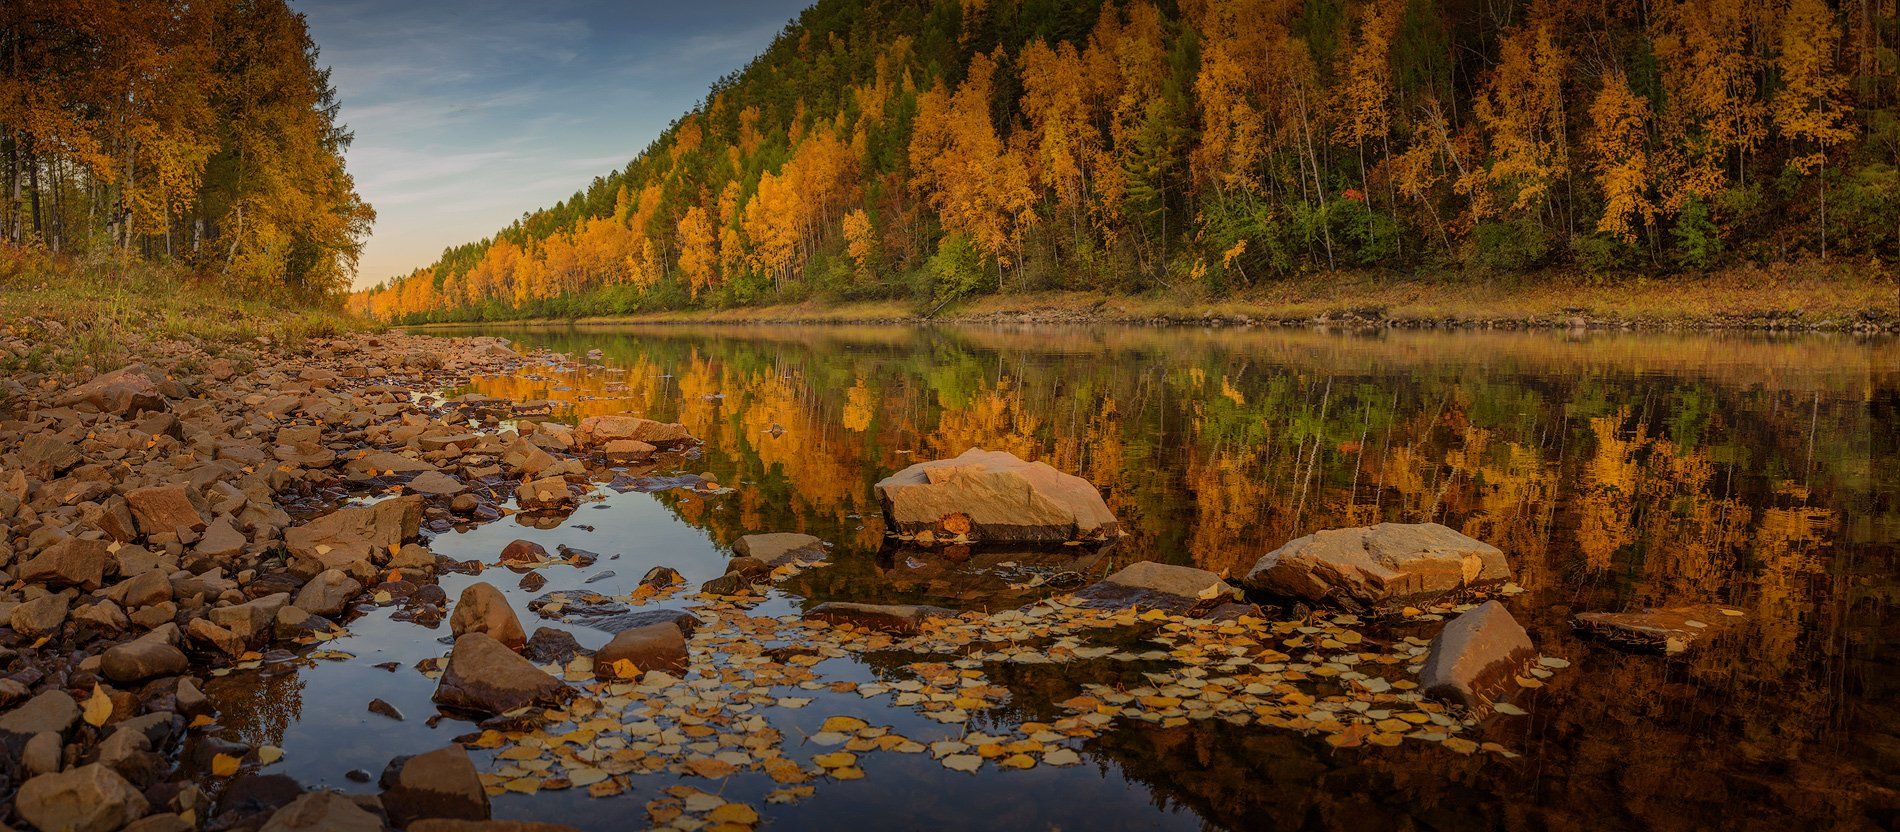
(439, 784)
(1372, 565)
(1670, 629)
(90, 798)
(992, 496)
(597, 431)
(1474, 659)
(897, 619)
(484, 609)
(485, 677)
(782, 547)
(322, 812)
(120, 392)
(351, 538)
(657, 646)
(1182, 590)
(69, 562)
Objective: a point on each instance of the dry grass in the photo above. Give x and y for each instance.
(96, 311)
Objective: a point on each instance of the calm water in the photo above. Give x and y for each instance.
(1617, 471)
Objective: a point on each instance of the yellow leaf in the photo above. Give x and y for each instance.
(844, 724)
(201, 721)
(98, 707)
(734, 813)
(269, 754)
(838, 759)
(224, 765)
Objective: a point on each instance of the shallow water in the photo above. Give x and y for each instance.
(1617, 471)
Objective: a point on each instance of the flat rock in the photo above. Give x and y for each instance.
(778, 548)
(328, 593)
(143, 658)
(90, 798)
(41, 616)
(438, 784)
(348, 536)
(484, 676)
(544, 494)
(221, 540)
(484, 609)
(120, 392)
(897, 619)
(1476, 656)
(322, 812)
(69, 562)
(1371, 565)
(52, 711)
(1669, 629)
(601, 612)
(994, 496)
(657, 646)
(435, 484)
(164, 508)
(597, 431)
(1182, 590)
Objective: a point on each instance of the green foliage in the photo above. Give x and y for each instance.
(1698, 239)
(955, 271)
(1863, 209)
(1603, 254)
(1511, 245)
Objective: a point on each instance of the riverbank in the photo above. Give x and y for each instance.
(1803, 298)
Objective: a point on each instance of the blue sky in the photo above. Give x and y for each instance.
(469, 112)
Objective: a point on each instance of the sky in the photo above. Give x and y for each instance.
(468, 113)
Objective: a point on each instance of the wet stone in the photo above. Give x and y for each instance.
(782, 547)
(899, 619)
(438, 784)
(1182, 590)
(1372, 565)
(551, 646)
(1670, 630)
(994, 496)
(322, 812)
(656, 646)
(484, 676)
(1473, 660)
(484, 609)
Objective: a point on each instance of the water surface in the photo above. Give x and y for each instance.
(1618, 471)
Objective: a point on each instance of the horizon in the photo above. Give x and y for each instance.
(454, 140)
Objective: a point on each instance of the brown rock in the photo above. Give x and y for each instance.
(1671, 629)
(253, 619)
(484, 676)
(69, 562)
(628, 450)
(46, 456)
(164, 508)
(659, 646)
(328, 593)
(897, 619)
(1476, 656)
(41, 616)
(523, 551)
(53, 711)
(90, 798)
(322, 812)
(152, 586)
(439, 784)
(543, 494)
(435, 484)
(597, 431)
(353, 538)
(447, 825)
(780, 548)
(202, 630)
(1182, 590)
(221, 540)
(120, 392)
(994, 496)
(143, 658)
(1370, 565)
(484, 609)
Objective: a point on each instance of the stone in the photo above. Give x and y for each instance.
(130, 754)
(120, 392)
(348, 537)
(204, 631)
(484, 676)
(780, 548)
(484, 609)
(41, 754)
(69, 562)
(164, 508)
(251, 619)
(152, 586)
(105, 617)
(628, 450)
(658, 646)
(545, 493)
(143, 658)
(1670, 630)
(47, 456)
(293, 621)
(383, 463)
(729, 584)
(328, 593)
(597, 431)
(90, 798)
(41, 616)
(383, 708)
(1476, 656)
(551, 646)
(1372, 565)
(160, 823)
(435, 484)
(1182, 590)
(897, 619)
(523, 551)
(322, 812)
(438, 784)
(992, 496)
(449, 825)
(661, 577)
(53, 711)
(221, 540)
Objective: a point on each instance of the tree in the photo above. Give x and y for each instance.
(1618, 147)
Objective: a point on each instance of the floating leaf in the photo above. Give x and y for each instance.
(1509, 709)
(838, 759)
(963, 762)
(224, 765)
(268, 754)
(844, 724)
(734, 813)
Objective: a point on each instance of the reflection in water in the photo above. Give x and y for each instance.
(1617, 471)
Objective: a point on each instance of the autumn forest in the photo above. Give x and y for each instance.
(937, 150)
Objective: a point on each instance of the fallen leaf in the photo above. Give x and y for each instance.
(98, 707)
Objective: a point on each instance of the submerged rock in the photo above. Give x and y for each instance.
(1182, 590)
(1671, 629)
(439, 784)
(897, 619)
(992, 496)
(1370, 565)
(1475, 657)
(782, 547)
(484, 676)
(597, 431)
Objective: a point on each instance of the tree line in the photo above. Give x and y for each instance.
(936, 148)
(202, 132)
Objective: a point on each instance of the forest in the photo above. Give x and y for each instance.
(198, 134)
(936, 149)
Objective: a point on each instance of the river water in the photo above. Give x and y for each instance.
(1618, 471)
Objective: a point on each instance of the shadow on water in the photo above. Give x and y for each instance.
(1618, 471)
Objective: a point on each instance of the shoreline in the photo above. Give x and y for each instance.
(1752, 301)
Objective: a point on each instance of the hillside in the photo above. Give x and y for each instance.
(928, 151)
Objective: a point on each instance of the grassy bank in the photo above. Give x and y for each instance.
(71, 312)
(1864, 297)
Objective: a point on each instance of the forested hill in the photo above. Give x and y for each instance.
(911, 148)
